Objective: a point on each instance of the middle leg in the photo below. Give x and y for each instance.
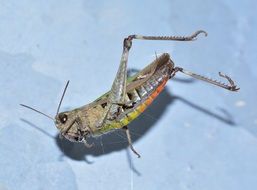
(130, 141)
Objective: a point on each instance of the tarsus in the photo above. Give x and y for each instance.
(231, 86)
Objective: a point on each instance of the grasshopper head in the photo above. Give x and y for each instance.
(70, 126)
(68, 123)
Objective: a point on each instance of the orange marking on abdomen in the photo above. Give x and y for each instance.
(159, 89)
(141, 107)
(156, 92)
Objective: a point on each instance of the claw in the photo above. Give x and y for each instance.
(87, 144)
(232, 86)
(194, 36)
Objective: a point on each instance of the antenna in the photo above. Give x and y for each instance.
(58, 109)
(37, 111)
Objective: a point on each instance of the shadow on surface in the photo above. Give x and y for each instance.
(36, 127)
(116, 141)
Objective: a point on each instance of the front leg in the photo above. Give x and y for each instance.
(83, 134)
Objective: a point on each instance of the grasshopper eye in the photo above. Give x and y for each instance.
(63, 118)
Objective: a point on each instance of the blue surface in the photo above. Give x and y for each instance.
(195, 136)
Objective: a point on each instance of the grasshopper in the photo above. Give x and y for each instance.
(128, 97)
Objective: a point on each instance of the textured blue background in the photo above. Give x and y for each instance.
(195, 136)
